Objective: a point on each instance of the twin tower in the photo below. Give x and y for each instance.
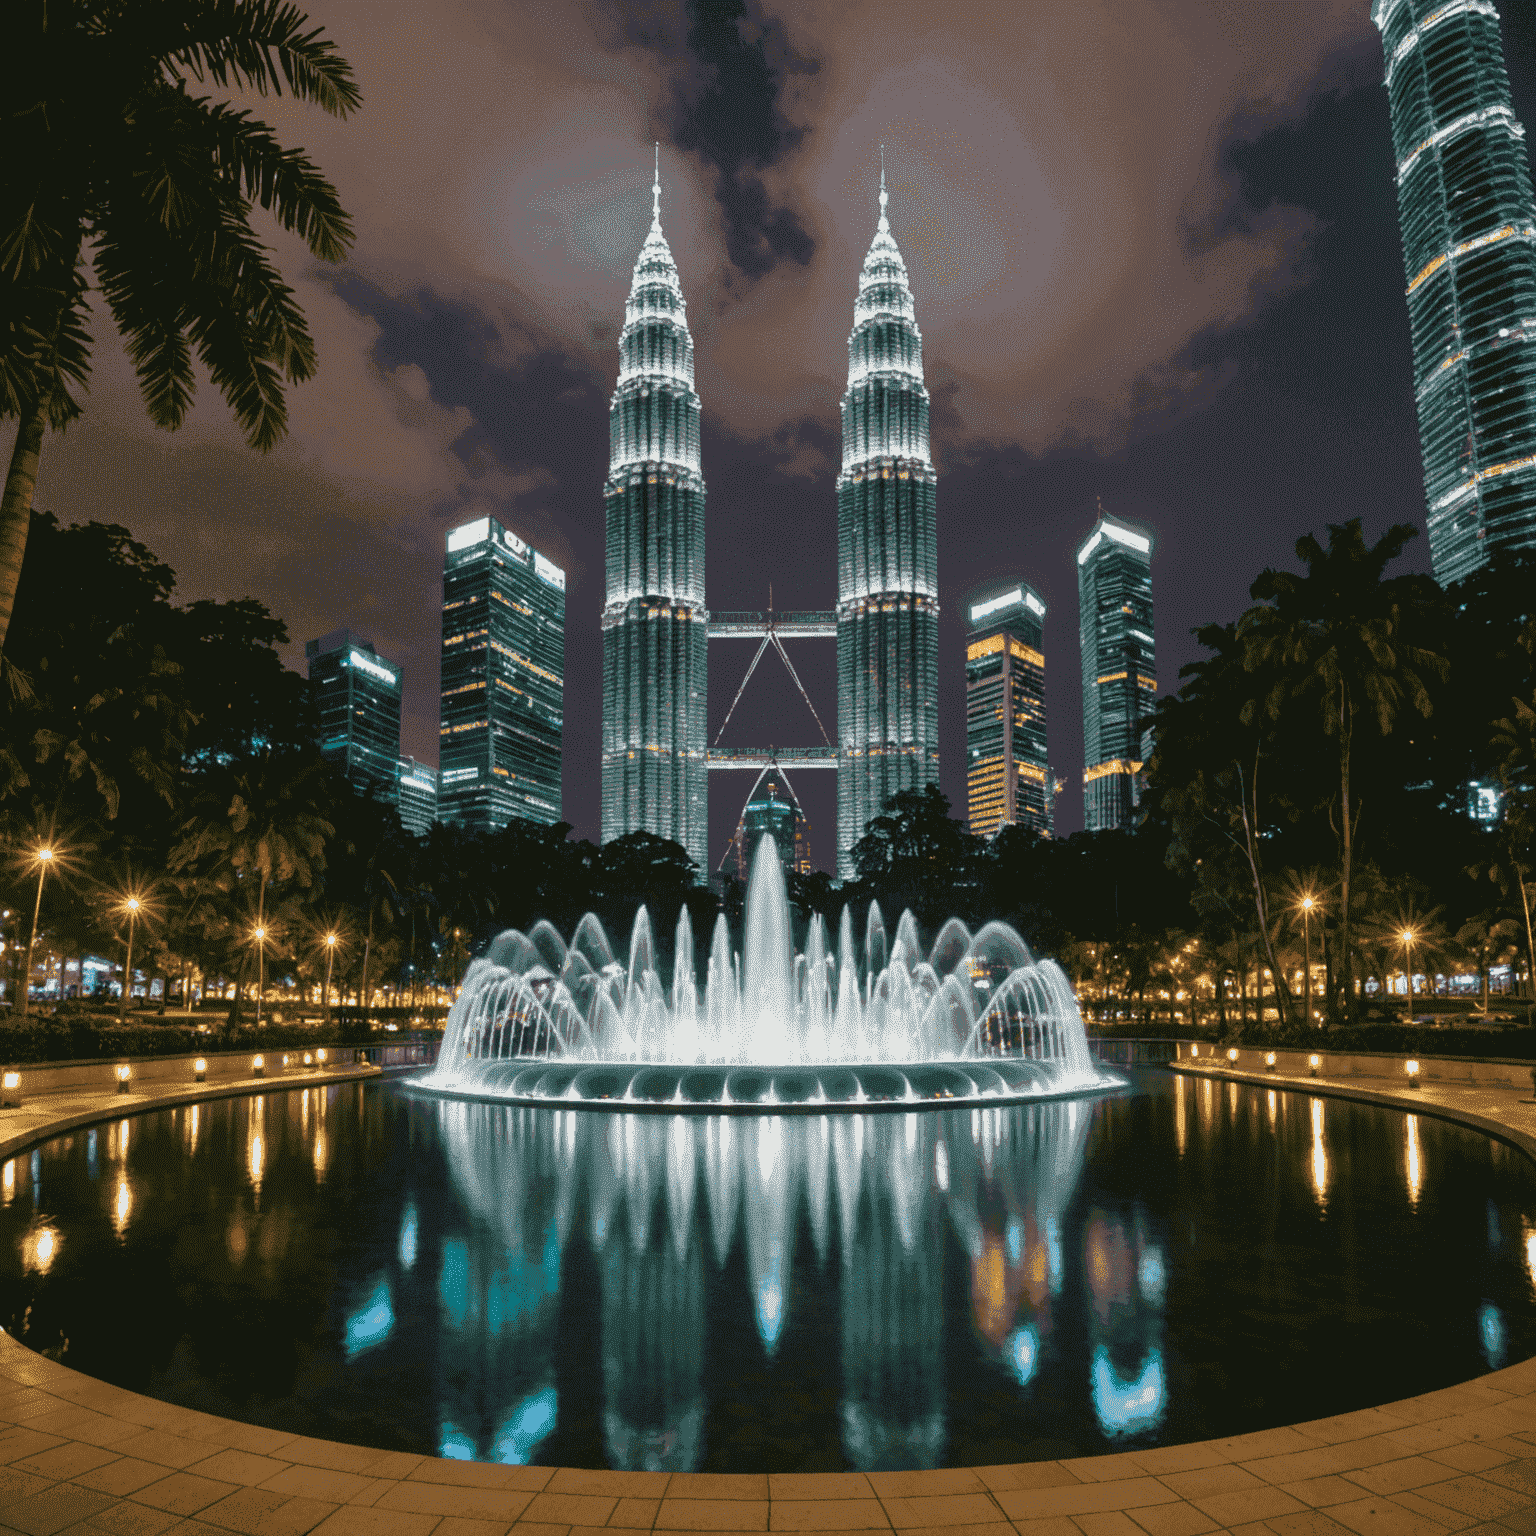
(656, 627)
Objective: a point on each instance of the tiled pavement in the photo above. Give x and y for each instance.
(81, 1458)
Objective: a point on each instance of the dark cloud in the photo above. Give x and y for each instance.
(727, 110)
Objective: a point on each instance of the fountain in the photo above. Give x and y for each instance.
(853, 1026)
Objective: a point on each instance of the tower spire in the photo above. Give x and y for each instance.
(884, 195)
(656, 191)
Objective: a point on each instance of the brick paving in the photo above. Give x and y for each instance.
(81, 1458)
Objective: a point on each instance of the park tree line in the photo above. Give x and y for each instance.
(1323, 745)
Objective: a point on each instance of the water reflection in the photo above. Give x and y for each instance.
(1415, 1160)
(1319, 1155)
(667, 1196)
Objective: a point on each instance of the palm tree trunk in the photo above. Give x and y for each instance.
(1346, 959)
(16, 508)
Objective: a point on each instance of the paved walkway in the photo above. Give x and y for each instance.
(83, 1458)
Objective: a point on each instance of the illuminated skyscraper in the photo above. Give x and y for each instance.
(655, 627)
(772, 810)
(1469, 246)
(418, 796)
(357, 693)
(503, 672)
(887, 555)
(1007, 777)
(1114, 596)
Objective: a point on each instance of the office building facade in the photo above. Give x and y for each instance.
(1008, 780)
(887, 554)
(655, 627)
(772, 810)
(503, 669)
(1119, 657)
(418, 796)
(1468, 223)
(357, 694)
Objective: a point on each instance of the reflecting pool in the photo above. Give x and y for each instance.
(1184, 1259)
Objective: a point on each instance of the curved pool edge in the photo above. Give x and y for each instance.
(1109, 1082)
(24, 1126)
(79, 1449)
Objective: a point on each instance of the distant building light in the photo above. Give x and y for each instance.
(980, 611)
(370, 666)
(456, 775)
(547, 570)
(469, 534)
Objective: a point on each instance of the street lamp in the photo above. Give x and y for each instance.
(331, 940)
(1308, 905)
(1408, 936)
(43, 858)
(260, 935)
(132, 905)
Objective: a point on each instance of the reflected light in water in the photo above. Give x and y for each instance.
(8, 1179)
(1126, 1407)
(1180, 1127)
(519, 1434)
(1152, 1275)
(195, 1123)
(453, 1444)
(408, 1237)
(1415, 1162)
(1490, 1329)
(39, 1248)
(122, 1206)
(1530, 1248)
(257, 1157)
(372, 1322)
(1274, 1104)
(321, 1151)
(1319, 1153)
(1021, 1349)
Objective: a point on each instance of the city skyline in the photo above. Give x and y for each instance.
(467, 357)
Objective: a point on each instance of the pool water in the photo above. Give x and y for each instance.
(1183, 1259)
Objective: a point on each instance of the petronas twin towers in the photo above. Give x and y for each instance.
(655, 625)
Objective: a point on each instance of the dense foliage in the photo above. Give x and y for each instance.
(168, 755)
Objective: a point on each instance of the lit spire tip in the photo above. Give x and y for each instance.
(884, 195)
(656, 190)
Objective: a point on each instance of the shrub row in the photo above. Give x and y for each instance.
(84, 1039)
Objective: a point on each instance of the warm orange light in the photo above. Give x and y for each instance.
(44, 855)
(1232, 1054)
(260, 934)
(331, 939)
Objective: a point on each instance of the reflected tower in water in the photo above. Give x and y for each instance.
(665, 1203)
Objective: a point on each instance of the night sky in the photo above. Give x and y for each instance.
(1154, 251)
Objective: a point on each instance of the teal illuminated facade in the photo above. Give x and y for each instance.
(418, 796)
(1469, 247)
(655, 627)
(1119, 655)
(357, 695)
(1007, 775)
(501, 711)
(887, 555)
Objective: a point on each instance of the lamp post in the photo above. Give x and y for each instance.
(1308, 903)
(43, 858)
(131, 906)
(330, 959)
(1408, 936)
(260, 935)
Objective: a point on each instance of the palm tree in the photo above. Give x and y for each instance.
(1343, 640)
(113, 168)
(1486, 941)
(263, 823)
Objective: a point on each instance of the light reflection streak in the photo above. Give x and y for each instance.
(1319, 1154)
(664, 1196)
(40, 1247)
(1274, 1105)
(1415, 1164)
(122, 1205)
(8, 1179)
(1180, 1127)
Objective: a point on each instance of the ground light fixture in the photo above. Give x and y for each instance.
(10, 1089)
(124, 1077)
(258, 1066)
(1413, 1074)
(1269, 1061)
(1232, 1054)
(1194, 1050)
(200, 1070)
(1314, 1062)
(320, 1057)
